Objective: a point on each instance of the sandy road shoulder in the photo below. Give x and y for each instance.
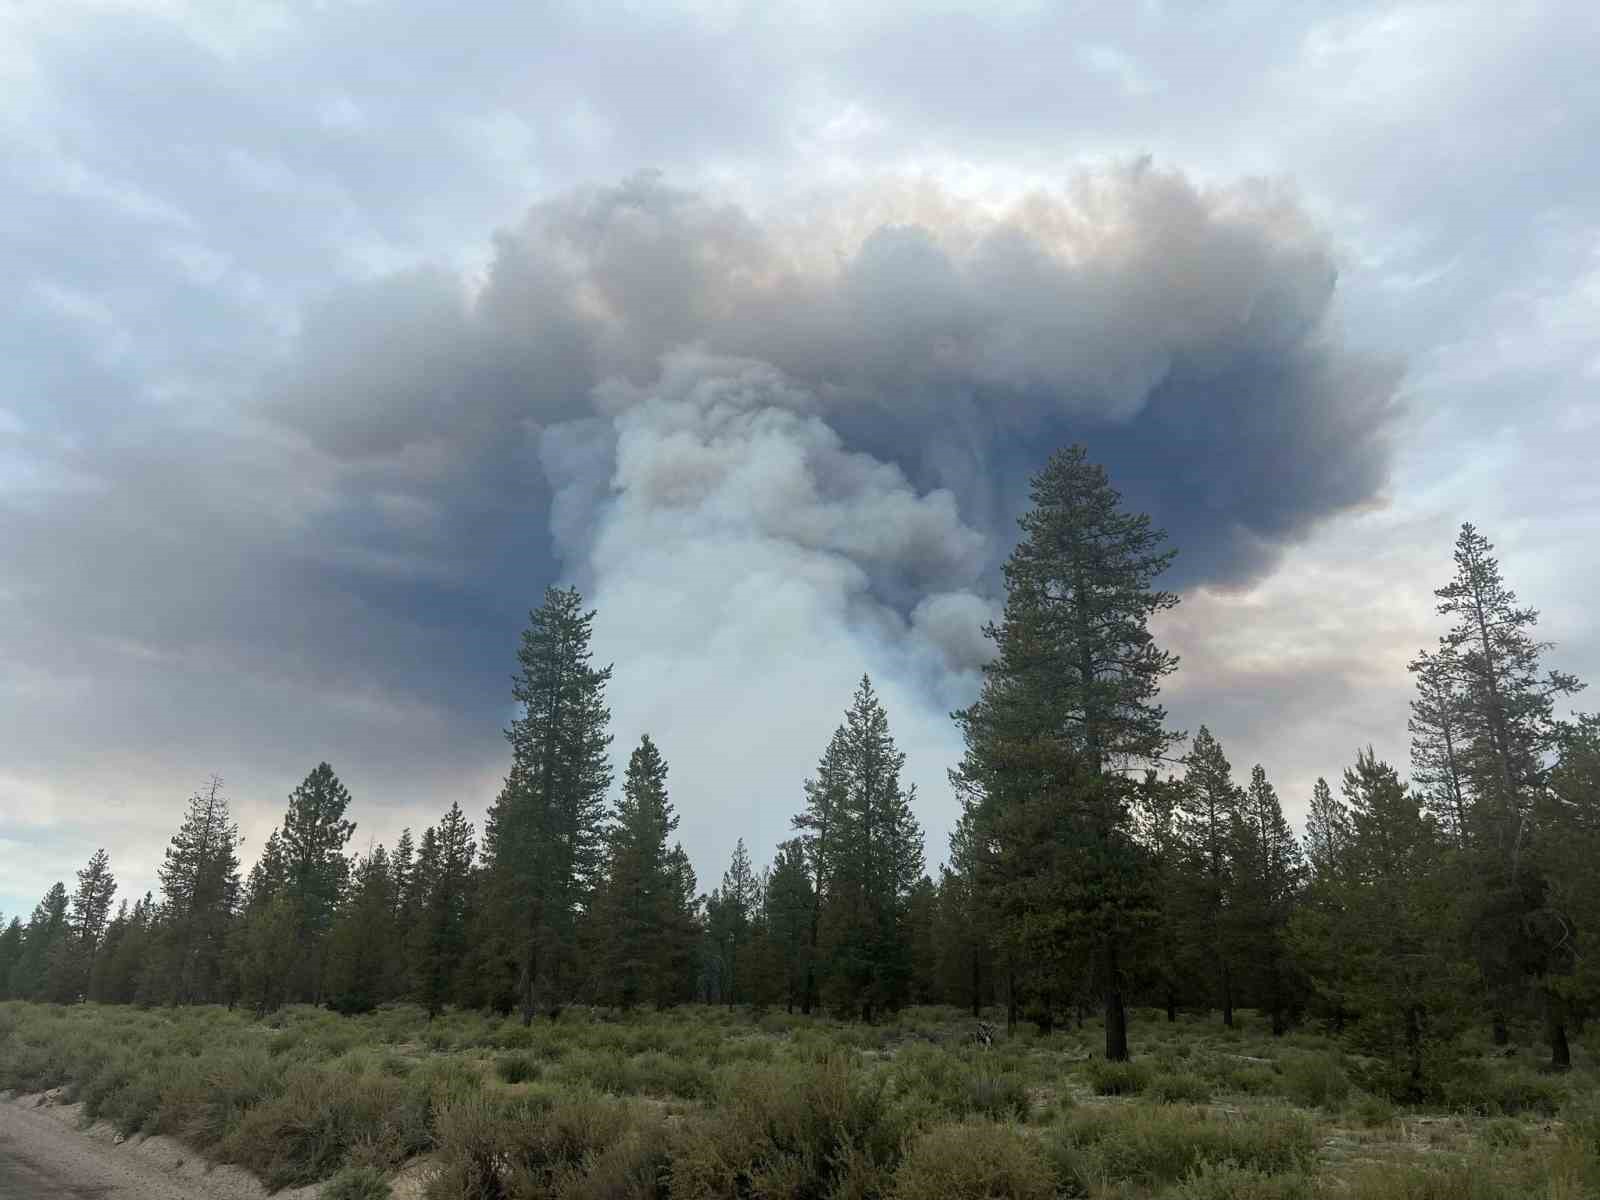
(46, 1154)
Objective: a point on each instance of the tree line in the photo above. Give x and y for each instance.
(1101, 858)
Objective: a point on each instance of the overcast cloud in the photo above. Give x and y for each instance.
(335, 333)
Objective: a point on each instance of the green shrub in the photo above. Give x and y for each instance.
(1315, 1080)
(357, 1183)
(1373, 1111)
(1228, 1181)
(1153, 1146)
(1181, 1087)
(976, 1160)
(1475, 1087)
(517, 1068)
(805, 1129)
(305, 1133)
(1116, 1078)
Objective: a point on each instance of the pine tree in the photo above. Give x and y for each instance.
(1565, 850)
(1268, 874)
(1490, 660)
(543, 838)
(264, 945)
(446, 913)
(788, 916)
(45, 930)
(313, 837)
(200, 895)
(359, 941)
(1160, 806)
(1068, 709)
(120, 971)
(1317, 927)
(1403, 976)
(732, 913)
(1439, 745)
(1487, 674)
(72, 956)
(404, 917)
(637, 927)
(967, 919)
(819, 836)
(877, 859)
(10, 955)
(1209, 807)
(1328, 833)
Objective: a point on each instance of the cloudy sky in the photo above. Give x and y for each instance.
(336, 331)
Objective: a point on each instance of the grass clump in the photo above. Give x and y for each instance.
(1155, 1146)
(802, 1130)
(1229, 1181)
(975, 1160)
(1180, 1087)
(357, 1183)
(517, 1067)
(1116, 1078)
(960, 1084)
(1315, 1080)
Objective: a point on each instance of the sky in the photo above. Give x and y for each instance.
(336, 331)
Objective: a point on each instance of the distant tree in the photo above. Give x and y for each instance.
(1317, 928)
(789, 904)
(1486, 682)
(877, 859)
(313, 837)
(121, 973)
(356, 976)
(732, 912)
(1565, 850)
(543, 840)
(200, 896)
(1068, 709)
(405, 916)
(1268, 875)
(1328, 834)
(818, 825)
(1489, 661)
(641, 938)
(46, 928)
(72, 956)
(967, 921)
(1173, 959)
(1440, 745)
(1403, 976)
(446, 914)
(10, 954)
(921, 936)
(1209, 806)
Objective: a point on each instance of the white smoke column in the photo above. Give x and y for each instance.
(737, 567)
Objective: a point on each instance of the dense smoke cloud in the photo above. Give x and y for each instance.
(775, 455)
(1181, 333)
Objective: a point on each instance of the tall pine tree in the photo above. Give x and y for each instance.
(543, 840)
(1068, 711)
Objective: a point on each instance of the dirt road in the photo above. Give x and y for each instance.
(44, 1156)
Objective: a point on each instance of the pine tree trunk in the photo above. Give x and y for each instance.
(977, 988)
(1011, 1001)
(1501, 1034)
(1414, 1047)
(1227, 995)
(1560, 1051)
(1556, 1021)
(1116, 1013)
(525, 983)
(1172, 1008)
